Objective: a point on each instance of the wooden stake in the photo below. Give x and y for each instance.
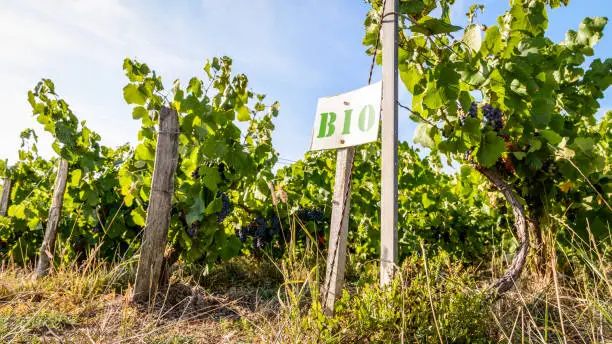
(46, 251)
(388, 217)
(160, 205)
(336, 252)
(6, 196)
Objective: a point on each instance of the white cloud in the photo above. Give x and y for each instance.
(292, 51)
(80, 45)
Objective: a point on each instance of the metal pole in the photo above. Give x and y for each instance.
(388, 232)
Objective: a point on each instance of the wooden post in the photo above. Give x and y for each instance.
(48, 245)
(388, 216)
(336, 254)
(160, 205)
(6, 196)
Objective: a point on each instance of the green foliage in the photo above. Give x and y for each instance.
(403, 311)
(108, 189)
(215, 156)
(549, 142)
(92, 211)
(31, 189)
(451, 213)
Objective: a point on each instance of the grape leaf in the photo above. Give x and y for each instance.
(244, 114)
(133, 95)
(490, 149)
(423, 135)
(196, 211)
(433, 26)
(551, 136)
(492, 43)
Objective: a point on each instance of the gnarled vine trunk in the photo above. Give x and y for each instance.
(538, 240)
(506, 282)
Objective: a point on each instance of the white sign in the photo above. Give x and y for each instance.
(347, 119)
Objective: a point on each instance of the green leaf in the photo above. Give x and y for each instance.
(138, 217)
(491, 149)
(471, 129)
(433, 26)
(551, 136)
(196, 211)
(17, 211)
(534, 144)
(432, 98)
(92, 198)
(517, 87)
(133, 95)
(214, 206)
(210, 177)
(33, 223)
(76, 175)
(591, 31)
(116, 229)
(195, 87)
(129, 200)
(465, 99)
(207, 69)
(139, 112)
(424, 135)
(412, 78)
(492, 43)
(541, 110)
(534, 162)
(584, 144)
(145, 152)
(411, 7)
(244, 114)
(472, 37)
(426, 201)
(497, 83)
(520, 155)
(447, 84)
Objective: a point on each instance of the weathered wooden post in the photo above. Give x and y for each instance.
(388, 194)
(160, 205)
(6, 195)
(46, 250)
(336, 252)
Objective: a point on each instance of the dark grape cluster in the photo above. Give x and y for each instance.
(196, 173)
(241, 234)
(493, 116)
(258, 230)
(310, 215)
(193, 229)
(275, 226)
(472, 112)
(549, 167)
(226, 208)
(262, 231)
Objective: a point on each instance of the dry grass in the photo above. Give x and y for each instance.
(68, 307)
(257, 301)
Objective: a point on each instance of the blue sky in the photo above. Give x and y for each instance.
(293, 51)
